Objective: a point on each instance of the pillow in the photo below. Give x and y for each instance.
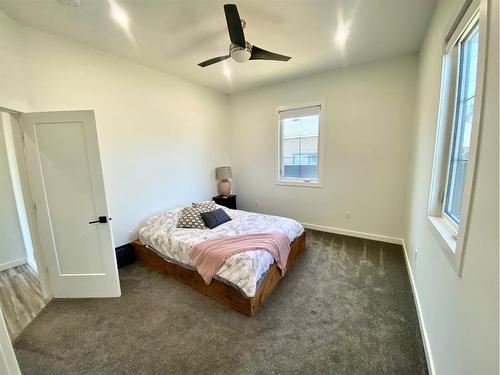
(215, 218)
(190, 218)
(205, 206)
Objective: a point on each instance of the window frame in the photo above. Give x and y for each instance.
(279, 180)
(450, 235)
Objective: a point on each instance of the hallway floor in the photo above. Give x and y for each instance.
(21, 297)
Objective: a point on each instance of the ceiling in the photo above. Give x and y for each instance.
(173, 36)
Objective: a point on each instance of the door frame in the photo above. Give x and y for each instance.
(8, 359)
(42, 269)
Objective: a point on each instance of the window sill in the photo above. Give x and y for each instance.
(446, 234)
(299, 183)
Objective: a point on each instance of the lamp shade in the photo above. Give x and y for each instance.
(223, 173)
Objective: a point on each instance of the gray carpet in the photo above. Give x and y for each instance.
(345, 308)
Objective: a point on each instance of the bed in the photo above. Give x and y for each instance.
(245, 280)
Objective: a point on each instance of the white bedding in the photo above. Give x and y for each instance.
(241, 270)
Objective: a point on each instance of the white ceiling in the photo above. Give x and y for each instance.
(173, 36)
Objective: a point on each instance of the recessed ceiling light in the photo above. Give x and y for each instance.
(119, 15)
(341, 36)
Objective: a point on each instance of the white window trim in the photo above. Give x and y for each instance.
(451, 237)
(321, 144)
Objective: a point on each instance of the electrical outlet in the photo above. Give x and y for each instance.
(257, 203)
(415, 255)
(348, 215)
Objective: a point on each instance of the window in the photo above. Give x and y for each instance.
(299, 148)
(458, 129)
(462, 124)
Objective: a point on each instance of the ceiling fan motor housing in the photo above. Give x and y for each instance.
(239, 53)
(239, 49)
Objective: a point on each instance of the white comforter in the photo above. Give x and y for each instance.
(241, 270)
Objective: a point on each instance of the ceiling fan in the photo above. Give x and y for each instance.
(240, 50)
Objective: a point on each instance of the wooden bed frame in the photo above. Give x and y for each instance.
(217, 289)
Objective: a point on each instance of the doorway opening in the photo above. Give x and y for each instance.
(24, 290)
(51, 192)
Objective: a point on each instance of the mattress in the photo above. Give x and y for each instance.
(242, 271)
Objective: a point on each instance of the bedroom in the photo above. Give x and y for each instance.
(374, 277)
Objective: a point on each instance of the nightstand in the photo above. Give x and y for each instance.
(228, 201)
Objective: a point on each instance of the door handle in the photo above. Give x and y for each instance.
(101, 220)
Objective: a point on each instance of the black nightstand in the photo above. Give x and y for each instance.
(228, 201)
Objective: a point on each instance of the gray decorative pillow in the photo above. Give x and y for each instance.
(190, 217)
(215, 218)
(205, 206)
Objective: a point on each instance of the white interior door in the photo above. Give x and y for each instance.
(64, 169)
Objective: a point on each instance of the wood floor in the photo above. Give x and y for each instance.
(21, 298)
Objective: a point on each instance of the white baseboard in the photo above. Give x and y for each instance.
(14, 263)
(423, 330)
(352, 233)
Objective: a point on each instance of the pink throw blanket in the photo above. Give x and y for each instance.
(208, 256)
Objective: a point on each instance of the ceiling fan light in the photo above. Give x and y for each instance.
(241, 55)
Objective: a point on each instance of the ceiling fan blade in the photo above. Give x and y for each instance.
(214, 60)
(234, 25)
(262, 54)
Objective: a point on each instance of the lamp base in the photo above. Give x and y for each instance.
(224, 187)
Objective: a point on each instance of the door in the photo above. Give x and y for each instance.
(64, 170)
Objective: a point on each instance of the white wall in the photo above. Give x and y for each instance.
(368, 124)
(460, 314)
(11, 239)
(9, 124)
(160, 137)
